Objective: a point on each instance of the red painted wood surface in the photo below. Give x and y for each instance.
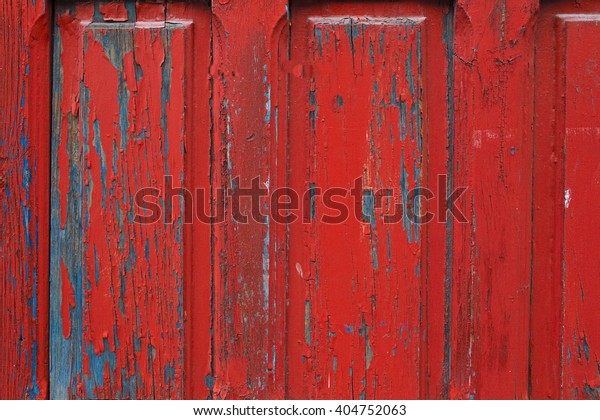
(492, 156)
(499, 95)
(565, 288)
(249, 298)
(366, 298)
(130, 99)
(24, 167)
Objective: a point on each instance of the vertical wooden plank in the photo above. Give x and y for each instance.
(492, 152)
(365, 117)
(24, 180)
(547, 284)
(566, 294)
(249, 299)
(198, 257)
(123, 109)
(581, 339)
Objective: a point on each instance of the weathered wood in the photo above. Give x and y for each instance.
(565, 310)
(24, 179)
(307, 95)
(249, 300)
(125, 113)
(368, 104)
(492, 157)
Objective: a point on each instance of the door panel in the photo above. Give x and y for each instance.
(367, 104)
(567, 184)
(125, 117)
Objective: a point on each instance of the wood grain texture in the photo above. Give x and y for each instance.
(492, 157)
(24, 177)
(124, 116)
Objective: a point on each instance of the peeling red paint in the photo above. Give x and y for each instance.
(496, 94)
(132, 86)
(114, 12)
(360, 324)
(248, 323)
(492, 155)
(24, 212)
(565, 290)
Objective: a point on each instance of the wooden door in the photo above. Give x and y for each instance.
(101, 100)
